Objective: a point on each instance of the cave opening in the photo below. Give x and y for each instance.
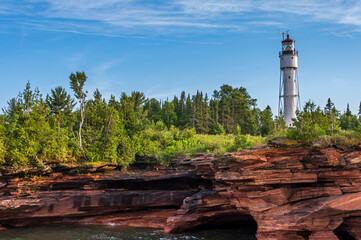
(342, 232)
(236, 222)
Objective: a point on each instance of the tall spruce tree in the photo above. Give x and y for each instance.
(348, 111)
(267, 122)
(348, 121)
(60, 104)
(331, 113)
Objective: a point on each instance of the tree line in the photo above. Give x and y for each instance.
(34, 128)
(314, 121)
(85, 127)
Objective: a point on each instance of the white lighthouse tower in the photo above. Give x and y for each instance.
(289, 85)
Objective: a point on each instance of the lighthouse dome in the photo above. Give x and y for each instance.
(288, 39)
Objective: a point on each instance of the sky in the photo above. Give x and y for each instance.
(162, 47)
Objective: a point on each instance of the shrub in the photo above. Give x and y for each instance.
(343, 140)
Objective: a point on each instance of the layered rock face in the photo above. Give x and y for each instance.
(138, 198)
(291, 193)
(285, 193)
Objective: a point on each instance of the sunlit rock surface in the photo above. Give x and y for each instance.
(284, 193)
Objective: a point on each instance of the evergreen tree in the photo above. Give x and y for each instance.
(332, 114)
(183, 111)
(207, 114)
(348, 111)
(169, 117)
(348, 121)
(188, 116)
(98, 129)
(27, 98)
(30, 137)
(154, 110)
(329, 106)
(177, 110)
(13, 108)
(267, 123)
(138, 98)
(236, 107)
(310, 123)
(60, 104)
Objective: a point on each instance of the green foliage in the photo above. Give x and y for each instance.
(267, 122)
(30, 136)
(326, 128)
(2, 141)
(60, 102)
(217, 129)
(349, 122)
(154, 110)
(234, 106)
(342, 140)
(105, 137)
(61, 105)
(217, 144)
(131, 127)
(169, 117)
(77, 82)
(280, 129)
(245, 141)
(312, 122)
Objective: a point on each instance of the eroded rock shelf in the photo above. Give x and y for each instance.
(287, 193)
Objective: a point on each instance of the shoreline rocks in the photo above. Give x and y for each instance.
(286, 193)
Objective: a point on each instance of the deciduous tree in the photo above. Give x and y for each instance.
(77, 82)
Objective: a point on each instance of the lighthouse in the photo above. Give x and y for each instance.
(289, 92)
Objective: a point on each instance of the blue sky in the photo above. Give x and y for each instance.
(164, 47)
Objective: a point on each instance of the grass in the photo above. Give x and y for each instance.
(202, 143)
(216, 144)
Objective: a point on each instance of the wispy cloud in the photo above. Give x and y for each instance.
(100, 78)
(132, 17)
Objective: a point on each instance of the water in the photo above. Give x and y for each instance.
(104, 233)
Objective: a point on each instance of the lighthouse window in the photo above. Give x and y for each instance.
(292, 57)
(289, 77)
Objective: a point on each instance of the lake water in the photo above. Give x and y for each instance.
(106, 233)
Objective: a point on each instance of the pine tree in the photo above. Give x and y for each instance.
(188, 118)
(60, 104)
(329, 106)
(183, 111)
(331, 113)
(138, 98)
(59, 101)
(348, 111)
(267, 122)
(348, 121)
(169, 117)
(154, 110)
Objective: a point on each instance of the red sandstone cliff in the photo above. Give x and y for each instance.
(289, 193)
